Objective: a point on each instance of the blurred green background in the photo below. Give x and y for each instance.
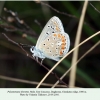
(14, 62)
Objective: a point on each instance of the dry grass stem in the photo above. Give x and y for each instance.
(27, 81)
(76, 63)
(77, 41)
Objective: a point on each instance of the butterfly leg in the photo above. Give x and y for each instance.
(37, 59)
(42, 61)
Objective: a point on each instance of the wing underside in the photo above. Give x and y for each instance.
(54, 25)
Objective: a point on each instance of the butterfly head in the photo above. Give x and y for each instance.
(37, 53)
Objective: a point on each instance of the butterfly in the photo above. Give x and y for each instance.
(53, 42)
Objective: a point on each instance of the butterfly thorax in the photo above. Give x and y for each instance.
(36, 52)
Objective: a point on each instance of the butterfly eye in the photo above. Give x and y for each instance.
(32, 49)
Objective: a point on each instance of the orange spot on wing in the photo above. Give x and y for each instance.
(63, 40)
(63, 37)
(63, 43)
(61, 52)
(63, 47)
(54, 34)
(57, 28)
(59, 35)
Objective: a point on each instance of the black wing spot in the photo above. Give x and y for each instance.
(48, 39)
(51, 27)
(44, 44)
(47, 33)
(54, 38)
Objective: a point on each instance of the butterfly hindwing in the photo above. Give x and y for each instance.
(55, 45)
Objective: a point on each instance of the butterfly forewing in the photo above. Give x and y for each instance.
(54, 25)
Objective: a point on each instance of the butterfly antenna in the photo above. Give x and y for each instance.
(26, 45)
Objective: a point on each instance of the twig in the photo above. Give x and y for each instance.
(15, 15)
(26, 81)
(26, 29)
(95, 8)
(21, 46)
(63, 13)
(37, 22)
